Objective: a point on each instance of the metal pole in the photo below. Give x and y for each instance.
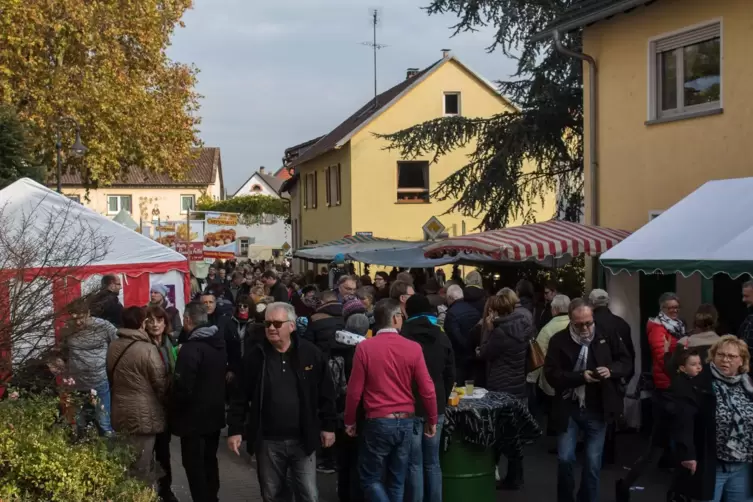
(59, 148)
(375, 57)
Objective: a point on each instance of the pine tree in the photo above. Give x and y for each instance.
(16, 160)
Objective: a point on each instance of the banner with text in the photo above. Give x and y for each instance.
(220, 235)
(190, 239)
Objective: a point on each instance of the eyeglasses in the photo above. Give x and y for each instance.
(243, 307)
(276, 324)
(583, 325)
(154, 320)
(727, 357)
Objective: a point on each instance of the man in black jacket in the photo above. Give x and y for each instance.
(424, 472)
(461, 318)
(290, 376)
(106, 303)
(327, 321)
(584, 366)
(198, 401)
(277, 289)
(550, 291)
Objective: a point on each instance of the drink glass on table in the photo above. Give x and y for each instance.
(469, 387)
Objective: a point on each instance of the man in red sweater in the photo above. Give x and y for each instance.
(384, 369)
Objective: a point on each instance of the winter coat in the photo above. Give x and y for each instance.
(240, 336)
(561, 357)
(138, 384)
(106, 305)
(505, 352)
(279, 292)
(85, 351)
(198, 395)
(657, 336)
(315, 392)
(476, 297)
(460, 319)
(544, 316)
(528, 304)
(439, 357)
(701, 342)
(554, 326)
(323, 325)
(608, 321)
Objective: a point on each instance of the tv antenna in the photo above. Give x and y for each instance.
(375, 20)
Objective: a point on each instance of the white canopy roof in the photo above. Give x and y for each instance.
(710, 231)
(36, 212)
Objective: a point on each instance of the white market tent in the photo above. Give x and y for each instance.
(709, 232)
(327, 251)
(87, 246)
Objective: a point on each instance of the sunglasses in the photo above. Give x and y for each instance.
(276, 324)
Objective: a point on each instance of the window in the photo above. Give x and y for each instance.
(268, 219)
(333, 185)
(686, 72)
(244, 242)
(452, 103)
(115, 203)
(256, 189)
(309, 193)
(74, 198)
(413, 182)
(187, 203)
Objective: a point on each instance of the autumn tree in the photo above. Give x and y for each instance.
(104, 64)
(546, 132)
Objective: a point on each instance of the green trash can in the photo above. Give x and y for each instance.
(467, 472)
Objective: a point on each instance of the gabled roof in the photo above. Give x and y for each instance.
(341, 134)
(283, 174)
(205, 168)
(586, 12)
(273, 182)
(295, 151)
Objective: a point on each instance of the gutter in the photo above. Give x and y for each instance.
(592, 120)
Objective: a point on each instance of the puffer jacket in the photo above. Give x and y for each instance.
(138, 384)
(323, 326)
(505, 352)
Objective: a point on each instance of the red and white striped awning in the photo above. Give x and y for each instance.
(536, 241)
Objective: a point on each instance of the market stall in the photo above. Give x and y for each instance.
(327, 251)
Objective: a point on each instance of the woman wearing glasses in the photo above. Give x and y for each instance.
(240, 333)
(713, 427)
(663, 332)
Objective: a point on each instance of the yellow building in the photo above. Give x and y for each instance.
(348, 182)
(145, 195)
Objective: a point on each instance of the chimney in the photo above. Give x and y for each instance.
(261, 170)
(446, 53)
(410, 73)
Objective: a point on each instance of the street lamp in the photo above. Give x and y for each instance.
(77, 148)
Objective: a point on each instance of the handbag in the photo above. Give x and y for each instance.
(535, 356)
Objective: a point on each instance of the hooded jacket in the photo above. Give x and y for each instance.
(505, 352)
(439, 357)
(198, 395)
(85, 351)
(323, 326)
(476, 297)
(138, 384)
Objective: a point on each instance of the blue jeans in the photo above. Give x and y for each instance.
(733, 482)
(594, 430)
(99, 412)
(385, 451)
(424, 480)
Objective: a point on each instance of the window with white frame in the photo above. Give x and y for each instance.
(686, 72)
(452, 103)
(115, 203)
(333, 185)
(187, 203)
(74, 198)
(413, 181)
(243, 243)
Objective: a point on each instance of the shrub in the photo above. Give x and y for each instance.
(41, 460)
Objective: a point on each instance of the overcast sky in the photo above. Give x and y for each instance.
(274, 74)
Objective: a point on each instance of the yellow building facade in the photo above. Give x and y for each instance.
(351, 183)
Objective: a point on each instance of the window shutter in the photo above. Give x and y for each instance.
(339, 185)
(328, 178)
(305, 191)
(708, 32)
(314, 196)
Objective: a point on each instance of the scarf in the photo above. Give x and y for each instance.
(579, 393)
(736, 433)
(675, 327)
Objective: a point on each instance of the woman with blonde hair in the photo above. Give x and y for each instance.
(509, 328)
(713, 426)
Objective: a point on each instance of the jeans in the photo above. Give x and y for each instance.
(99, 412)
(594, 430)
(733, 482)
(424, 480)
(275, 459)
(199, 456)
(384, 456)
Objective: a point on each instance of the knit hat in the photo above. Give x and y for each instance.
(417, 305)
(159, 288)
(353, 306)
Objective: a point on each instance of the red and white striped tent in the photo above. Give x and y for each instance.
(32, 213)
(537, 241)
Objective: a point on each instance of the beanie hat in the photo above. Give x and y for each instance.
(417, 305)
(159, 288)
(353, 306)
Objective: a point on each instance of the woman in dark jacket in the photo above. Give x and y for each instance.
(382, 285)
(504, 349)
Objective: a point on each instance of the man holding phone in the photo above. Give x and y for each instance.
(584, 365)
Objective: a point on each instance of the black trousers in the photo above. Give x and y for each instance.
(199, 455)
(348, 481)
(162, 455)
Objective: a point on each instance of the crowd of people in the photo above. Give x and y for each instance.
(337, 373)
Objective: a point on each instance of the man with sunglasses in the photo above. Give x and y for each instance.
(291, 377)
(584, 364)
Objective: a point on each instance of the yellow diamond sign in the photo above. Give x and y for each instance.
(433, 228)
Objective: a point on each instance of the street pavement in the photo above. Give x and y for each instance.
(238, 482)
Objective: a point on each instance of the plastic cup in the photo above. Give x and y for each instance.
(469, 387)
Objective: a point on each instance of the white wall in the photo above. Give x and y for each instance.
(255, 180)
